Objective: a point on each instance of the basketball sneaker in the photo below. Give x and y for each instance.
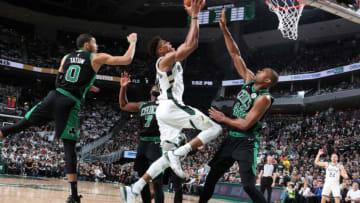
(175, 163)
(127, 195)
(71, 199)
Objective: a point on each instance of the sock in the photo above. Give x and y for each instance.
(73, 190)
(138, 186)
(183, 150)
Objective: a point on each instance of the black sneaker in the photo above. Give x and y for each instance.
(71, 199)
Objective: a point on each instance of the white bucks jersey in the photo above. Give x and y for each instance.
(171, 83)
(332, 174)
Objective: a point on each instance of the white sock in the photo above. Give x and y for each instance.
(138, 186)
(183, 150)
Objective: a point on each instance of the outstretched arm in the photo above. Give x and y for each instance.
(123, 101)
(234, 51)
(257, 111)
(317, 159)
(191, 41)
(126, 59)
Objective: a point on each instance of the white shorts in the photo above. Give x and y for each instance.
(173, 117)
(333, 188)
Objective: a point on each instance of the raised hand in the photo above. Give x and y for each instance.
(195, 8)
(125, 79)
(321, 152)
(132, 37)
(216, 115)
(222, 21)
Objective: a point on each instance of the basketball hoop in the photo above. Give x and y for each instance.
(288, 13)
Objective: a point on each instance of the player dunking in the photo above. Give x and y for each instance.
(172, 114)
(332, 177)
(148, 149)
(250, 105)
(76, 76)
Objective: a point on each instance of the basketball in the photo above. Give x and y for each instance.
(188, 3)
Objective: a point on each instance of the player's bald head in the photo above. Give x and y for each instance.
(273, 76)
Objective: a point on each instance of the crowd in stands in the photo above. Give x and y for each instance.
(293, 140)
(307, 58)
(97, 119)
(125, 139)
(337, 87)
(324, 89)
(34, 152)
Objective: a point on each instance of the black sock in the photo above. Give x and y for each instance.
(73, 190)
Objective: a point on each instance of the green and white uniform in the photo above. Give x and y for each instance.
(241, 146)
(63, 104)
(332, 180)
(172, 114)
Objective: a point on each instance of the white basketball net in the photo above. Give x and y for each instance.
(288, 13)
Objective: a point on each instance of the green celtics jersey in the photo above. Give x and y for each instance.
(148, 120)
(243, 103)
(78, 75)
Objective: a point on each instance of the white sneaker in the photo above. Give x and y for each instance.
(127, 196)
(175, 163)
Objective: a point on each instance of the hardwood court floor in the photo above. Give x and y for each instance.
(17, 189)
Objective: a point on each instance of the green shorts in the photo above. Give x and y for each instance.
(62, 107)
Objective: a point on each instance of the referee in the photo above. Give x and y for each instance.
(266, 177)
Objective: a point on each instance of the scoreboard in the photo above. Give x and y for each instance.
(233, 13)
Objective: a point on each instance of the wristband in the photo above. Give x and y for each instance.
(195, 18)
(133, 41)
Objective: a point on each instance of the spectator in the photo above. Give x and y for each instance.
(99, 175)
(344, 190)
(306, 191)
(355, 177)
(318, 190)
(353, 194)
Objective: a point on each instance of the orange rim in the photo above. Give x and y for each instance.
(286, 7)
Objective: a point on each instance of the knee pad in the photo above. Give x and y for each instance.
(167, 146)
(211, 133)
(217, 129)
(157, 167)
